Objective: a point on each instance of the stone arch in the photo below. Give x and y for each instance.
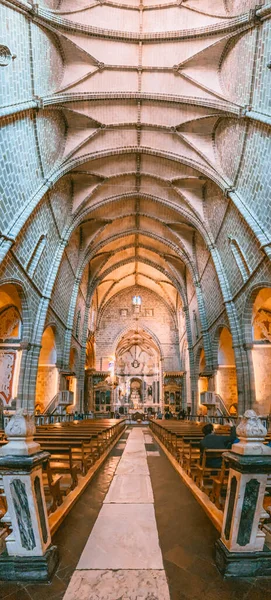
(90, 352)
(186, 367)
(258, 344)
(226, 376)
(146, 329)
(199, 358)
(252, 293)
(24, 305)
(215, 340)
(200, 367)
(10, 323)
(58, 340)
(15, 325)
(138, 368)
(47, 383)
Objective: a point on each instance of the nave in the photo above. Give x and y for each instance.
(137, 533)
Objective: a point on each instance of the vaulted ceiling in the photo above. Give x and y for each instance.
(143, 94)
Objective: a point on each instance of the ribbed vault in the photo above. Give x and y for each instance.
(144, 103)
(149, 125)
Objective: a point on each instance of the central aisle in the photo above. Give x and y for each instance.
(122, 558)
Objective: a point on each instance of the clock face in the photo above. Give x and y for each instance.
(135, 364)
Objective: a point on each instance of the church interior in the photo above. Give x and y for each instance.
(135, 299)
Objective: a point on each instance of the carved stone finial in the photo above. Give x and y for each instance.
(251, 432)
(251, 427)
(20, 431)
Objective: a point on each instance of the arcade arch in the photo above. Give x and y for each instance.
(47, 384)
(203, 380)
(261, 349)
(225, 379)
(138, 369)
(10, 345)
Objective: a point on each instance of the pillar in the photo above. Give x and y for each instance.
(29, 553)
(240, 552)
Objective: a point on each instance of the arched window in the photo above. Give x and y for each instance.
(36, 255)
(137, 300)
(239, 258)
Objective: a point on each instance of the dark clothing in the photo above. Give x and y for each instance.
(213, 442)
(233, 439)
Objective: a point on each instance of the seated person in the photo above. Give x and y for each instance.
(212, 442)
(233, 439)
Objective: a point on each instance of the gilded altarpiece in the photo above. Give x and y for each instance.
(173, 391)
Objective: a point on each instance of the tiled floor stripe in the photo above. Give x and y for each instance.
(122, 557)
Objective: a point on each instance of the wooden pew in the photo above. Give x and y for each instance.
(84, 447)
(81, 453)
(191, 456)
(205, 474)
(52, 488)
(62, 463)
(220, 482)
(74, 447)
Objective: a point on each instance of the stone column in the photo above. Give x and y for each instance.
(241, 550)
(29, 553)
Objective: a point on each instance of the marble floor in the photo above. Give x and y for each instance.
(122, 558)
(169, 557)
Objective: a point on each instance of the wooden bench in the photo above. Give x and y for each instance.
(84, 448)
(220, 483)
(62, 463)
(52, 488)
(73, 447)
(81, 451)
(191, 457)
(204, 474)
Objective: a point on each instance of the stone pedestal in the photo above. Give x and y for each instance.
(241, 550)
(242, 564)
(29, 553)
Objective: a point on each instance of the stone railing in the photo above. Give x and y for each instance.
(29, 554)
(241, 550)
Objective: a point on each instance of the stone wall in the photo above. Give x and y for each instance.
(162, 326)
(261, 357)
(227, 384)
(46, 386)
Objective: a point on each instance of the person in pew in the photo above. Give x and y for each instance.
(233, 438)
(212, 442)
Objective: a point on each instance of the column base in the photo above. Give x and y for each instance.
(29, 568)
(242, 564)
